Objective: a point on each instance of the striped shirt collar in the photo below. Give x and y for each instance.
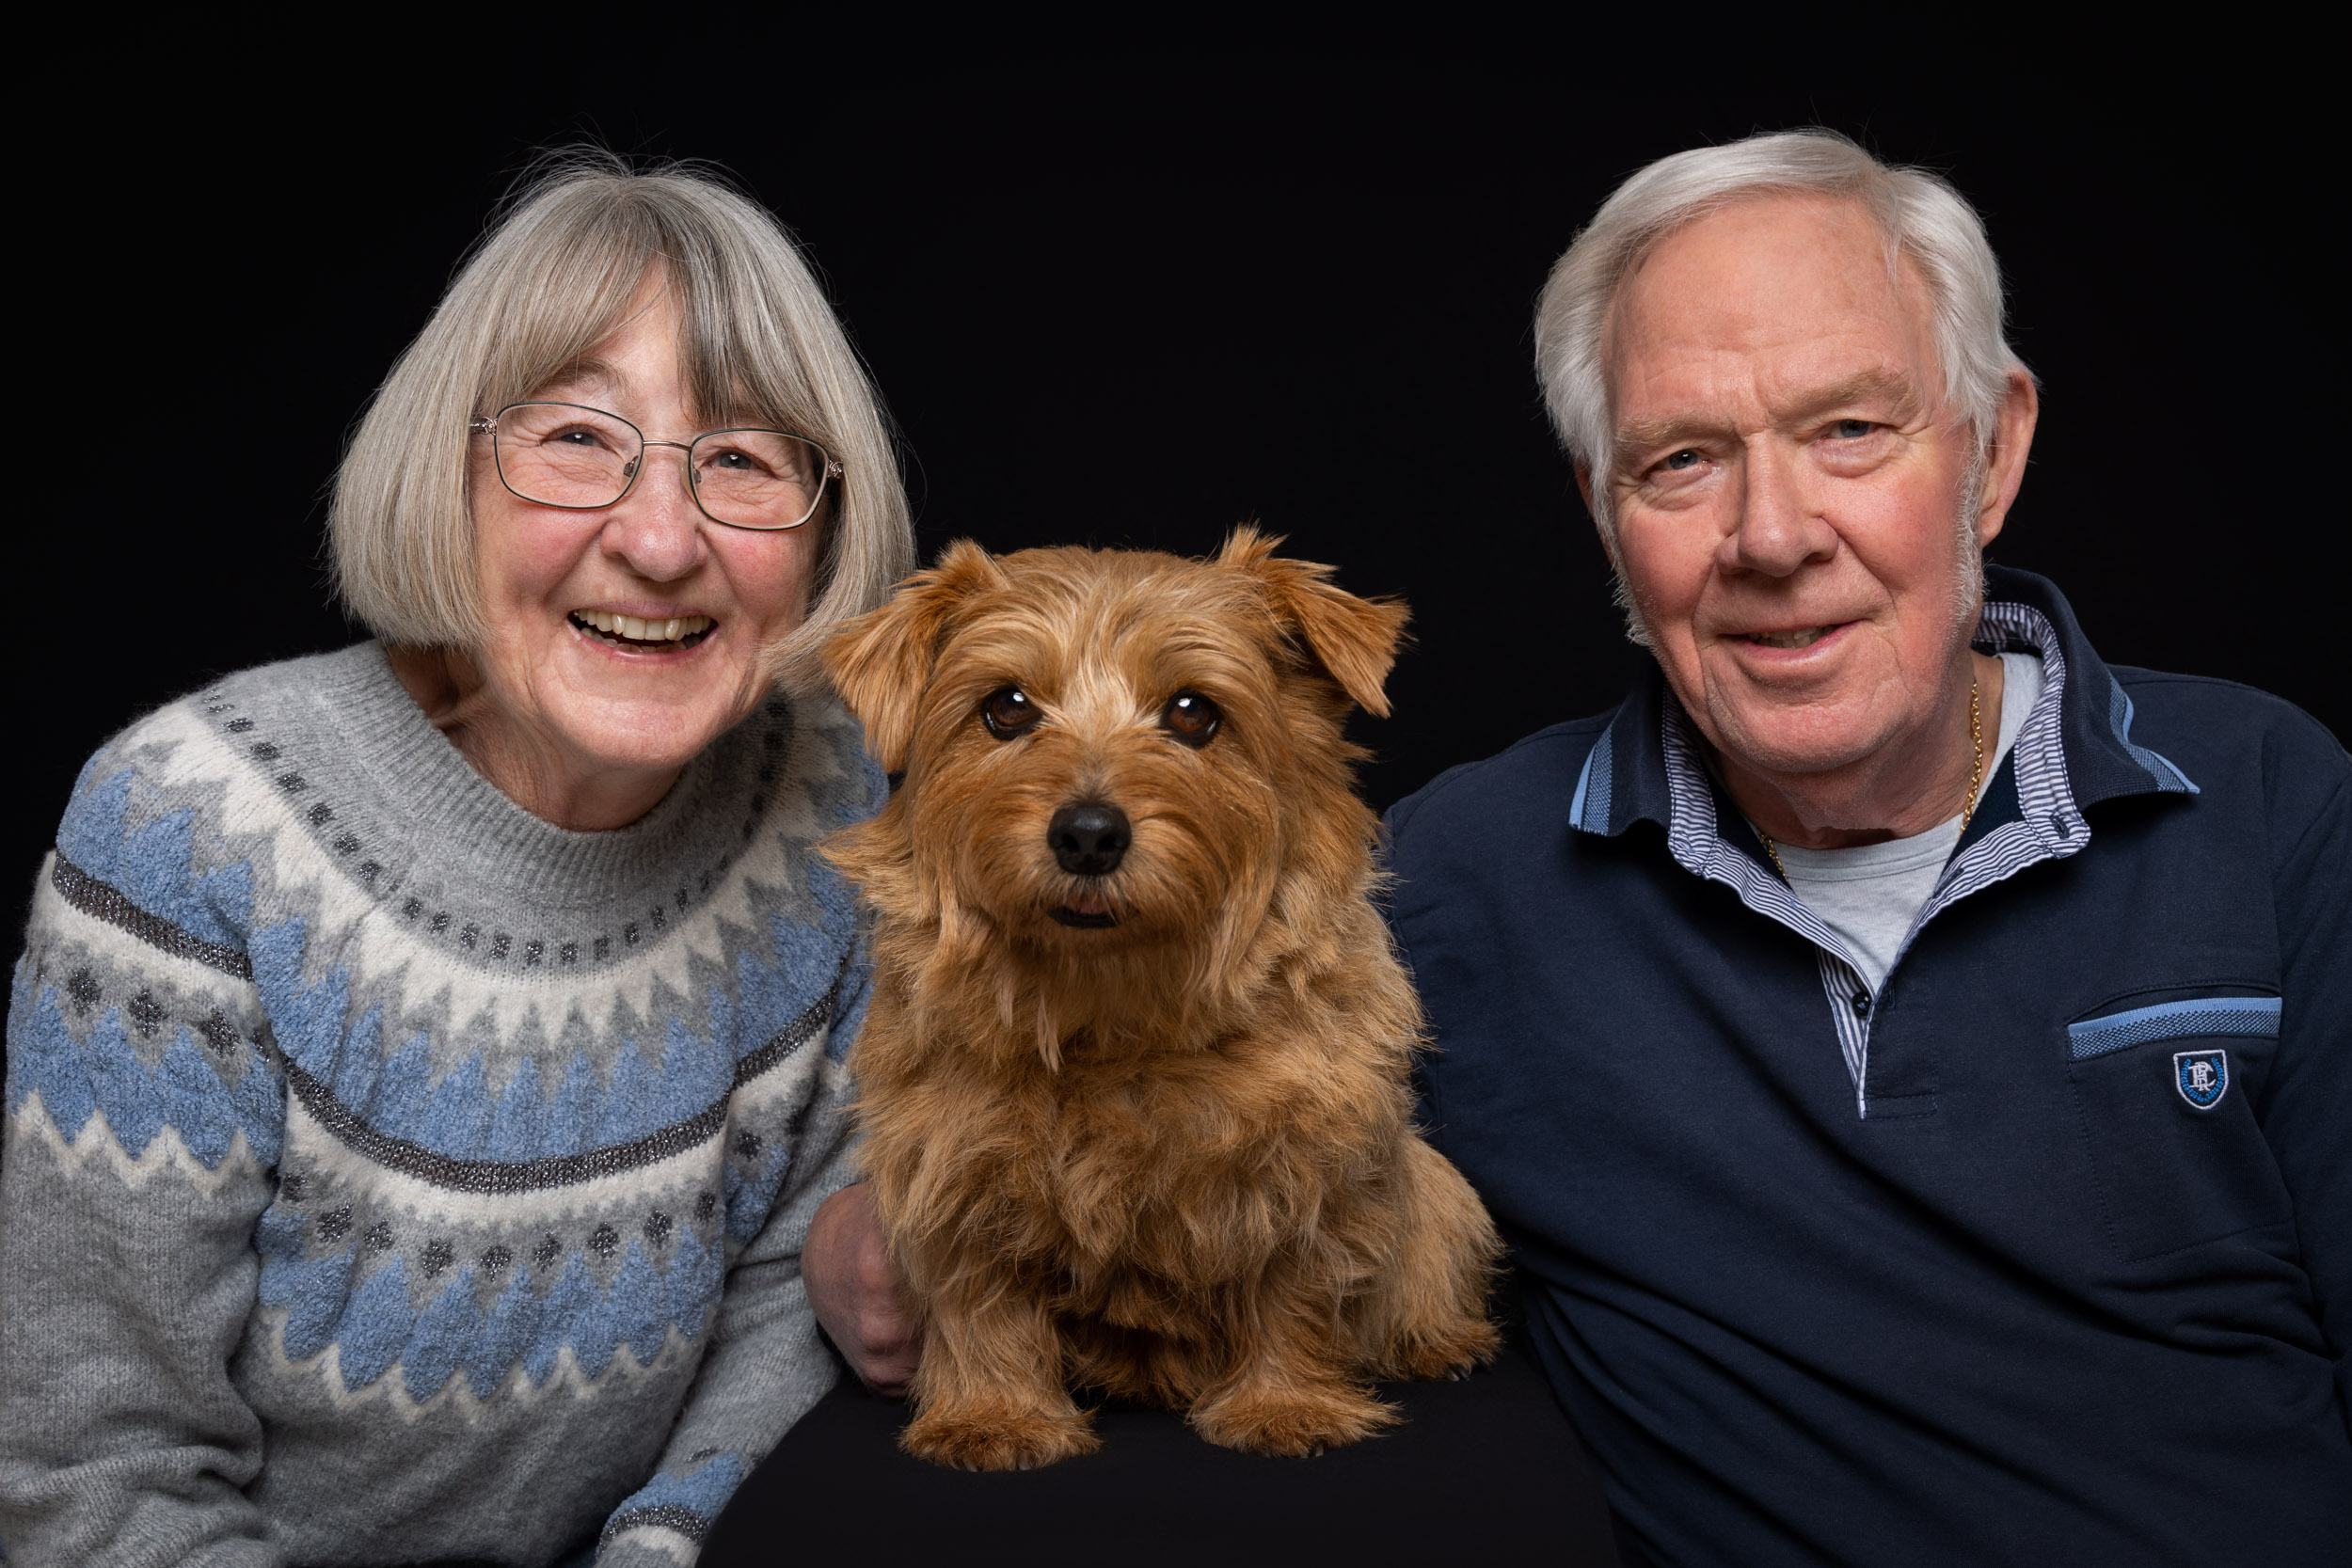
(2074, 751)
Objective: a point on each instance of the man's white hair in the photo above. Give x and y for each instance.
(1922, 216)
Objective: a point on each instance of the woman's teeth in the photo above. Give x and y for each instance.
(679, 629)
(1804, 638)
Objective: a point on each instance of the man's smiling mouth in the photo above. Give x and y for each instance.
(628, 631)
(1804, 637)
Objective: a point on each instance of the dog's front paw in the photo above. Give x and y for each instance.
(1449, 1354)
(997, 1439)
(1291, 1423)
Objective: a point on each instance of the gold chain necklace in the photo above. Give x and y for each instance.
(1967, 807)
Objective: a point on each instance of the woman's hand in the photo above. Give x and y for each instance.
(861, 1298)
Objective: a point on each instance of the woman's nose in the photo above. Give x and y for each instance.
(657, 528)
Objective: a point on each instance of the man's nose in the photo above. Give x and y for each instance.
(657, 528)
(1779, 527)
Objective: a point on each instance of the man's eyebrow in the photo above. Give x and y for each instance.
(1878, 382)
(1675, 429)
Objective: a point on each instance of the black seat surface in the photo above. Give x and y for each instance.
(1483, 1470)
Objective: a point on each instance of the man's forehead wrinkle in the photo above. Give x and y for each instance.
(1803, 294)
(1728, 389)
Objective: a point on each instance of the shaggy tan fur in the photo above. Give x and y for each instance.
(1172, 1159)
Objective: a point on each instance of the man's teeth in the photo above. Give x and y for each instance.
(644, 631)
(1804, 638)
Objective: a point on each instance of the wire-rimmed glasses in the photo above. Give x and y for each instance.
(577, 458)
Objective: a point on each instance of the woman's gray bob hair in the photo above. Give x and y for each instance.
(1921, 215)
(554, 276)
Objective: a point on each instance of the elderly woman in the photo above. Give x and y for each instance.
(426, 1058)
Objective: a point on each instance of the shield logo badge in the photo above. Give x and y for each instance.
(2201, 1076)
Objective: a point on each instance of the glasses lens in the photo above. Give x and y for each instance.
(560, 455)
(757, 478)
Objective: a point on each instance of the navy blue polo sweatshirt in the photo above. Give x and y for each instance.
(2040, 1254)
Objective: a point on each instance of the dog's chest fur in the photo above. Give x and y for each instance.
(1167, 1171)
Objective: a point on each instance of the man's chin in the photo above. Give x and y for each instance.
(1796, 739)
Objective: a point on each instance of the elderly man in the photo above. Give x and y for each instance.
(1908, 1056)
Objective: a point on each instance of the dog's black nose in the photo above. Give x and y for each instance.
(1088, 840)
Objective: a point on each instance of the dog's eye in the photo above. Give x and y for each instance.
(1009, 712)
(1191, 717)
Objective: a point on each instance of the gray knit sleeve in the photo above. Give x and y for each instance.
(768, 1363)
(144, 1117)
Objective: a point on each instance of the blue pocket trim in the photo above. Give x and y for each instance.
(2173, 1020)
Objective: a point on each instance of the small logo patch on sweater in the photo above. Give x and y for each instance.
(2201, 1076)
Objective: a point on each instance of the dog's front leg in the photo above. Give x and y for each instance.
(1424, 1316)
(989, 1395)
(1289, 1390)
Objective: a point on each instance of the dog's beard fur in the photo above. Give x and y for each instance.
(1141, 1155)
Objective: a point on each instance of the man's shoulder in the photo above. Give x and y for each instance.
(2215, 730)
(1534, 775)
(2227, 711)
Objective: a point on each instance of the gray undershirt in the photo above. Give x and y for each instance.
(1870, 896)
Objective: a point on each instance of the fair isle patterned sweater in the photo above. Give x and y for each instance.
(391, 1176)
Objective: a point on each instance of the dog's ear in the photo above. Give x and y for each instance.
(881, 660)
(1354, 640)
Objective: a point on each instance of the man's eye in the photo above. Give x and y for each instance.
(1686, 458)
(1008, 713)
(1851, 429)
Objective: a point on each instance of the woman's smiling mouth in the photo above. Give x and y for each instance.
(630, 631)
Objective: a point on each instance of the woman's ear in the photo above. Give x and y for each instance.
(881, 660)
(1354, 641)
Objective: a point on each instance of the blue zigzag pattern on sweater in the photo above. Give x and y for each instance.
(102, 1072)
(327, 1302)
(153, 864)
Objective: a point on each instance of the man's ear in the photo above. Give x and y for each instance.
(881, 660)
(1354, 641)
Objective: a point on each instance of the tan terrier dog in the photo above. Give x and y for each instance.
(1134, 1081)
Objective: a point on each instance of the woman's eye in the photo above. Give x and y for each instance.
(1851, 429)
(1191, 717)
(1686, 458)
(734, 462)
(1008, 712)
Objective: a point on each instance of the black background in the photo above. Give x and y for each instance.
(1134, 301)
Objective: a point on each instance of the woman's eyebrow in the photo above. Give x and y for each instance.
(588, 373)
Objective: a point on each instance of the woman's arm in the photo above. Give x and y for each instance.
(767, 1363)
(143, 1122)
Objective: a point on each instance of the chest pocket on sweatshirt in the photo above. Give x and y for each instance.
(2166, 1091)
